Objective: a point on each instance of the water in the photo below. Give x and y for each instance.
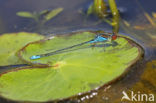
(72, 19)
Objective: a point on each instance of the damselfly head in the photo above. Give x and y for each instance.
(114, 37)
(109, 36)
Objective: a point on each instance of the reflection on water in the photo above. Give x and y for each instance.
(135, 23)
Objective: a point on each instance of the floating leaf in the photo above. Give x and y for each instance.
(25, 14)
(10, 43)
(78, 70)
(53, 13)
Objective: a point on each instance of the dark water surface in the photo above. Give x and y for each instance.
(72, 19)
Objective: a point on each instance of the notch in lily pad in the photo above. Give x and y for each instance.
(10, 43)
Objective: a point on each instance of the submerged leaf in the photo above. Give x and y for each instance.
(44, 12)
(10, 43)
(25, 14)
(154, 15)
(74, 71)
(90, 10)
(53, 13)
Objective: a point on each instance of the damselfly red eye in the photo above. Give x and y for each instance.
(114, 37)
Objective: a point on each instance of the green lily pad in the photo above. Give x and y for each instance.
(10, 43)
(79, 70)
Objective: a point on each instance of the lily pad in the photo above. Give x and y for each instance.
(79, 70)
(10, 43)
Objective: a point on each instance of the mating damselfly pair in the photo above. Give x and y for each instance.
(103, 37)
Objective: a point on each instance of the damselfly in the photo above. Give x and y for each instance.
(99, 38)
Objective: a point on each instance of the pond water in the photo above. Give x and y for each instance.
(134, 23)
(70, 19)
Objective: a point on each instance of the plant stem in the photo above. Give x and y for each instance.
(100, 8)
(116, 16)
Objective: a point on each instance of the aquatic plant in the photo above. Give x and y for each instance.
(42, 16)
(100, 9)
